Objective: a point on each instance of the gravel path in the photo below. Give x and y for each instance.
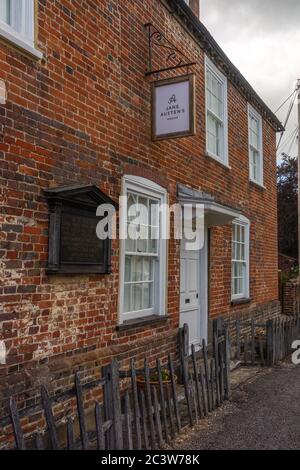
(263, 414)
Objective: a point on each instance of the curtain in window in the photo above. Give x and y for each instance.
(19, 15)
(141, 252)
(5, 11)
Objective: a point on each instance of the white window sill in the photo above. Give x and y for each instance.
(17, 40)
(218, 160)
(257, 183)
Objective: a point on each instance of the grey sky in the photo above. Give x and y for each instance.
(261, 38)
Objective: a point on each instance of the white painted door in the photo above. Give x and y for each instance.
(192, 310)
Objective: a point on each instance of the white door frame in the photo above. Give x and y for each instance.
(203, 289)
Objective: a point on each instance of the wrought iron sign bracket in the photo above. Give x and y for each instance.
(173, 57)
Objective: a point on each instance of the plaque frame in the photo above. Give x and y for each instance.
(80, 200)
(190, 78)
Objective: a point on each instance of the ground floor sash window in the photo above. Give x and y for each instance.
(143, 251)
(240, 259)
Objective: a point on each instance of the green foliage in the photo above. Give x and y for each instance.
(295, 271)
(292, 274)
(287, 191)
(166, 376)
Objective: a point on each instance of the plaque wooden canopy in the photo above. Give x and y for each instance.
(74, 247)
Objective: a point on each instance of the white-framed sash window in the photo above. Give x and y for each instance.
(143, 252)
(255, 146)
(17, 24)
(216, 113)
(240, 258)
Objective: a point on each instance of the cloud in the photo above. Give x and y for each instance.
(261, 38)
(264, 14)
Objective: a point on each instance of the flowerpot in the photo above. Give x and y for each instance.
(141, 383)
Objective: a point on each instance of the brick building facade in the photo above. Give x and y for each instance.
(78, 112)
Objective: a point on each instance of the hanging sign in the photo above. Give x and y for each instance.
(173, 107)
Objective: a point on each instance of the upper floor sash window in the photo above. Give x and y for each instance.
(255, 146)
(216, 113)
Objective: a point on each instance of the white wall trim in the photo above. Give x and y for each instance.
(204, 286)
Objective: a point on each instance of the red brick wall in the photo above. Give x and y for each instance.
(291, 297)
(82, 115)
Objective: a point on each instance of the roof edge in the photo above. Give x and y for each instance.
(214, 51)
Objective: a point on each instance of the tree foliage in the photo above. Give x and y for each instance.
(287, 184)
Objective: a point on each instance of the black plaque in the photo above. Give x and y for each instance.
(73, 243)
(79, 242)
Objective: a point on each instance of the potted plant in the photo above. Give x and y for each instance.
(153, 379)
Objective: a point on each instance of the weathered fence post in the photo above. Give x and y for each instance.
(253, 341)
(207, 376)
(49, 419)
(162, 400)
(270, 343)
(238, 340)
(39, 444)
(14, 416)
(149, 403)
(99, 427)
(70, 435)
(137, 414)
(183, 350)
(173, 385)
(219, 327)
(217, 368)
(227, 365)
(80, 410)
(112, 404)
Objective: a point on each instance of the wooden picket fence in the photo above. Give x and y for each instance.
(255, 343)
(248, 342)
(137, 413)
(282, 332)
